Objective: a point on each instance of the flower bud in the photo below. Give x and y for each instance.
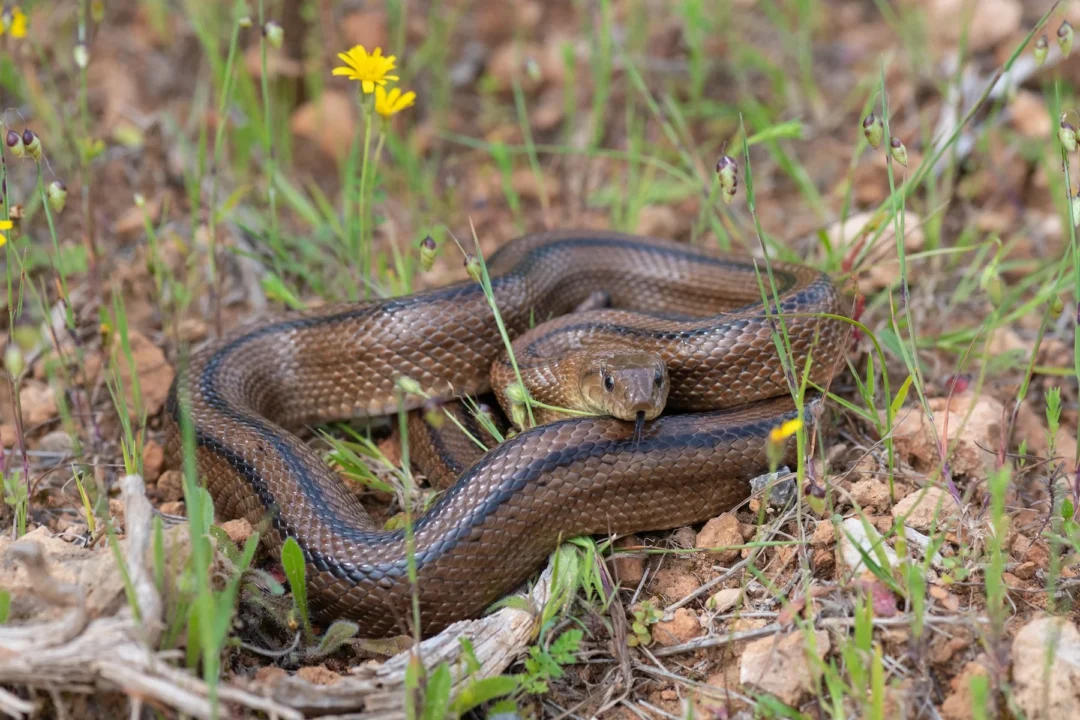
(728, 170)
(1067, 135)
(776, 444)
(14, 141)
(472, 266)
(57, 194)
(1042, 45)
(427, 253)
(898, 151)
(1065, 38)
(874, 130)
(1074, 202)
(517, 415)
(32, 143)
(245, 22)
(409, 386)
(273, 33)
(81, 53)
(516, 392)
(1056, 308)
(14, 361)
(140, 201)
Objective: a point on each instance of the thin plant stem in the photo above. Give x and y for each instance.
(268, 145)
(363, 250)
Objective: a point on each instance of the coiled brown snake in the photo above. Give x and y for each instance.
(698, 311)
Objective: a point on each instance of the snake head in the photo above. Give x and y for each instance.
(626, 384)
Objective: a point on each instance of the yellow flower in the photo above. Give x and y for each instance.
(368, 70)
(783, 432)
(13, 22)
(5, 225)
(393, 102)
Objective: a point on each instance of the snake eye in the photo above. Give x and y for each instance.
(609, 382)
(658, 379)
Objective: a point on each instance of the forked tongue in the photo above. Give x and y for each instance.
(639, 425)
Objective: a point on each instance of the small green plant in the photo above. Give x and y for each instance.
(646, 615)
(544, 665)
(292, 560)
(339, 632)
(17, 496)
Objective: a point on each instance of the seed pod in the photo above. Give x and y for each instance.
(728, 170)
(472, 266)
(427, 253)
(1042, 45)
(273, 33)
(995, 290)
(1074, 202)
(14, 141)
(81, 53)
(1065, 38)
(1067, 135)
(57, 194)
(874, 130)
(32, 143)
(245, 22)
(14, 361)
(898, 151)
(1056, 308)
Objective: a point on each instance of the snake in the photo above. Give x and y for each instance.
(658, 375)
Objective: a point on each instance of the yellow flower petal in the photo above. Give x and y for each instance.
(388, 103)
(370, 70)
(18, 23)
(6, 224)
(783, 432)
(3, 239)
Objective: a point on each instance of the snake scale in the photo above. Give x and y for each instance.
(698, 311)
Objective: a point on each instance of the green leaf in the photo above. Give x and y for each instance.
(437, 693)
(482, 691)
(276, 289)
(339, 633)
(871, 376)
(292, 560)
(790, 129)
(563, 649)
(206, 506)
(503, 710)
(295, 198)
(901, 395)
(472, 664)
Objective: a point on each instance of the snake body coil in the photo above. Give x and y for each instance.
(700, 312)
